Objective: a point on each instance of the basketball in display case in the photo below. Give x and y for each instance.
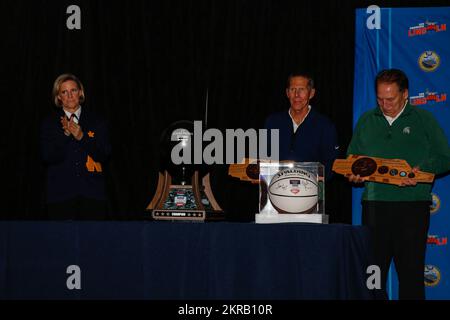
(291, 192)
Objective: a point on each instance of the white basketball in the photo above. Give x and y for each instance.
(293, 191)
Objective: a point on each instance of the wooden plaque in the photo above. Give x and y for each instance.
(390, 171)
(248, 170)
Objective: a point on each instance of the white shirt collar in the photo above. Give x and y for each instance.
(294, 124)
(77, 113)
(391, 120)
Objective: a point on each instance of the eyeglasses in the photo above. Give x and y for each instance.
(73, 91)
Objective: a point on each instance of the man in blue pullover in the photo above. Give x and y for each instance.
(305, 135)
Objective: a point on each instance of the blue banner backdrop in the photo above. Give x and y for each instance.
(415, 40)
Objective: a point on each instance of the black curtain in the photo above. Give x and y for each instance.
(146, 64)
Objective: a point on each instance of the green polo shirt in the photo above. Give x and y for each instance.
(415, 136)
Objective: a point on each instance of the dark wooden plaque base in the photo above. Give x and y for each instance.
(194, 202)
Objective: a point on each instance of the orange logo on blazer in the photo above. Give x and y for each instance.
(92, 166)
(91, 134)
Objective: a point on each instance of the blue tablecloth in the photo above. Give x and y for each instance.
(164, 260)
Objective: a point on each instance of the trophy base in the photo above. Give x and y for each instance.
(284, 218)
(188, 215)
(192, 202)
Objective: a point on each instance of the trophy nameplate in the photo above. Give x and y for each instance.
(390, 171)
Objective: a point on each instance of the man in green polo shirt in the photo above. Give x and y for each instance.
(398, 216)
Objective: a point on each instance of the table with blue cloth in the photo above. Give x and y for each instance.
(183, 260)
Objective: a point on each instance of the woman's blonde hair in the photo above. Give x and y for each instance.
(59, 81)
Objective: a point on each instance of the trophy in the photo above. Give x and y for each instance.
(184, 191)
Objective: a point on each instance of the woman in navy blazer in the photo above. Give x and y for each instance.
(74, 148)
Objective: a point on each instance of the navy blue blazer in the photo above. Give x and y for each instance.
(70, 173)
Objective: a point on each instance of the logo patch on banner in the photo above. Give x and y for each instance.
(435, 203)
(432, 276)
(426, 27)
(429, 61)
(436, 240)
(428, 97)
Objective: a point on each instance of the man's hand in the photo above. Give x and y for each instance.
(75, 130)
(410, 182)
(355, 179)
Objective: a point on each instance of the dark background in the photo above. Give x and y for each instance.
(146, 64)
